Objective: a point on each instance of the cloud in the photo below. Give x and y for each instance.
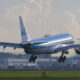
(35, 12)
(38, 3)
(72, 16)
(28, 9)
(73, 24)
(39, 15)
(15, 11)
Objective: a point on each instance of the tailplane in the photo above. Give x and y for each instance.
(24, 34)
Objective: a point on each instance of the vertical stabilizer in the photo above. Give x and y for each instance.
(24, 34)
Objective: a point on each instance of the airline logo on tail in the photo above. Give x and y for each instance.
(23, 33)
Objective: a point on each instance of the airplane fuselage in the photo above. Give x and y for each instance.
(48, 44)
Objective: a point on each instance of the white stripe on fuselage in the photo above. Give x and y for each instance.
(57, 41)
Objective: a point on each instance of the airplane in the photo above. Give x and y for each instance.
(45, 45)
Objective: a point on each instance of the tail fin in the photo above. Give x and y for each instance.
(24, 34)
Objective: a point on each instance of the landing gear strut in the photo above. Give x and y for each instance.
(62, 57)
(32, 58)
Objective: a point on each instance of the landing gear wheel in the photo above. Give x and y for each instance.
(30, 60)
(62, 59)
(33, 58)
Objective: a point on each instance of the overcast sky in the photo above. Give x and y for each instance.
(41, 17)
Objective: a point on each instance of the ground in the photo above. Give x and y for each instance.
(59, 75)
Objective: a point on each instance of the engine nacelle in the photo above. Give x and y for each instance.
(77, 50)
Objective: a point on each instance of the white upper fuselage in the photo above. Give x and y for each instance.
(48, 44)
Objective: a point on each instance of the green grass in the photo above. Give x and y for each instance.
(39, 76)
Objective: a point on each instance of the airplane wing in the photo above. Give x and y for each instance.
(14, 45)
(73, 46)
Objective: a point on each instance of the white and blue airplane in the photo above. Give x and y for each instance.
(46, 45)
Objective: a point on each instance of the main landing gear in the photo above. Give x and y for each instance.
(62, 57)
(32, 58)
